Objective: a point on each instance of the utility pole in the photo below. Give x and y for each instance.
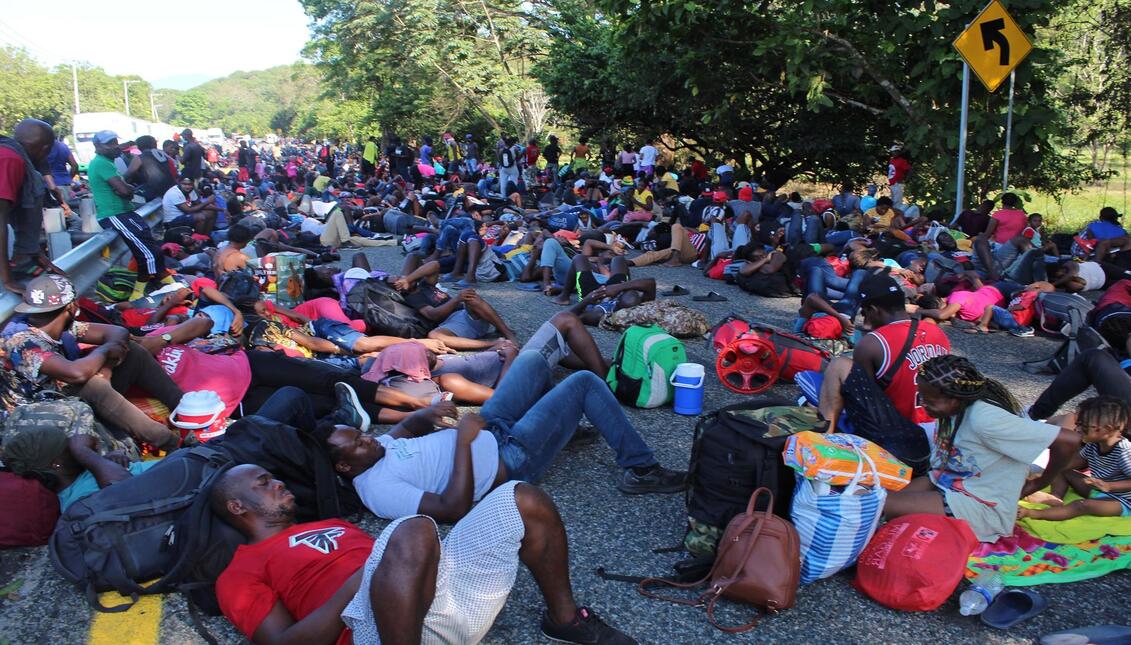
(153, 106)
(126, 92)
(75, 84)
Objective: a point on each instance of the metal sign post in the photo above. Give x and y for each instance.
(1008, 132)
(960, 188)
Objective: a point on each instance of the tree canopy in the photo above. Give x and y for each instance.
(811, 87)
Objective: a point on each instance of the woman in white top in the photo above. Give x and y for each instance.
(983, 450)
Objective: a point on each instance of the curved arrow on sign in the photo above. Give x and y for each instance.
(991, 34)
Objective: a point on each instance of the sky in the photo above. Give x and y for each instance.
(203, 39)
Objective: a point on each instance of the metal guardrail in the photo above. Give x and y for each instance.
(86, 263)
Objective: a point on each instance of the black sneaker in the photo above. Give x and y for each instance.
(585, 628)
(349, 411)
(656, 480)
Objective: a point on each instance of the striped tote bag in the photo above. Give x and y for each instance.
(835, 522)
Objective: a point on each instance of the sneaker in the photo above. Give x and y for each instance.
(585, 627)
(349, 411)
(657, 480)
(1023, 332)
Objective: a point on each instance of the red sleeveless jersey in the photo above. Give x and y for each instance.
(903, 390)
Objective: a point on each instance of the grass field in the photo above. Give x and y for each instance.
(1075, 209)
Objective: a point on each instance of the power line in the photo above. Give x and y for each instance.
(17, 38)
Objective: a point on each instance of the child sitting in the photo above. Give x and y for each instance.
(1102, 422)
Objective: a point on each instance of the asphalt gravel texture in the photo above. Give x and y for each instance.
(619, 532)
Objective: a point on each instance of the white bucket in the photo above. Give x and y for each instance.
(86, 206)
(54, 221)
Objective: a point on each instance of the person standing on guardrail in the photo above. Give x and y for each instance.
(22, 190)
(42, 361)
(115, 209)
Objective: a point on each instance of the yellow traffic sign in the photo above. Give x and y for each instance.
(993, 45)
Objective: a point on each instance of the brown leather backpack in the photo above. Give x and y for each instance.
(758, 563)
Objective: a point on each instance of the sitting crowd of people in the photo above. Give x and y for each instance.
(337, 351)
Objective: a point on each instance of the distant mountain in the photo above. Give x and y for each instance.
(249, 102)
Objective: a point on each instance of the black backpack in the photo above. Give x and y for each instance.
(731, 457)
(298, 458)
(240, 286)
(506, 158)
(154, 526)
(384, 310)
(1084, 339)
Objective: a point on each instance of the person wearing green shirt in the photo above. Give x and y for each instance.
(113, 203)
(369, 158)
(320, 184)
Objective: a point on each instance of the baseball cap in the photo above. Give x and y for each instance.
(46, 293)
(746, 194)
(719, 197)
(103, 137)
(896, 148)
(356, 273)
(879, 287)
(1109, 211)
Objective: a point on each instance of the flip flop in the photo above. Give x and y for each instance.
(676, 291)
(1013, 606)
(464, 284)
(710, 297)
(528, 286)
(1097, 634)
(976, 331)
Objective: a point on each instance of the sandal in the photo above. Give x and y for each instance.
(528, 286)
(710, 297)
(676, 291)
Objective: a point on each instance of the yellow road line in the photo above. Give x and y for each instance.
(139, 625)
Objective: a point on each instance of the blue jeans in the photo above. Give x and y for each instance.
(339, 333)
(1028, 268)
(471, 165)
(1005, 320)
(554, 257)
(839, 238)
(533, 425)
(452, 230)
(807, 229)
(821, 279)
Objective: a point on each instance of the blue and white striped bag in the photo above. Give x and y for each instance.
(834, 525)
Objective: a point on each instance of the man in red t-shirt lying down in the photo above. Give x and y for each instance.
(329, 581)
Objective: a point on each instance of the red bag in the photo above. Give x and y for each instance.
(1023, 307)
(839, 265)
(718, 268)
(30, 511)
(821, 205)
(824, 327)
(915, 562)
(751, 358)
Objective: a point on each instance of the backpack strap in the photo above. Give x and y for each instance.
(889, 375)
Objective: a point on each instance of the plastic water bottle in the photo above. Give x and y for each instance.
(981, 593)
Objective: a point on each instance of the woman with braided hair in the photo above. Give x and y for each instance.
(983, 449)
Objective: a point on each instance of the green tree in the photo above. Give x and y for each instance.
(425, 66)
(811, 87)
(26, 90)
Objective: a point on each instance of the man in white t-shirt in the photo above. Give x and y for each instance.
(180, 206)
(416, 470)
(648, 155)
